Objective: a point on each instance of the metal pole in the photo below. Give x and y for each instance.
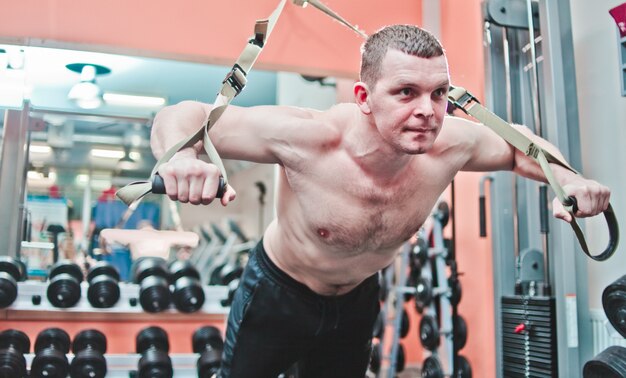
(12, 179)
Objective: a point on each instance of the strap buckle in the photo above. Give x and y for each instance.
(236, 78)
(260, 33)
(460, 98)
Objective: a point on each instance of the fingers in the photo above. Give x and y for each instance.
(229, 195)
(193, 181)
(558, 211)
(592, 198)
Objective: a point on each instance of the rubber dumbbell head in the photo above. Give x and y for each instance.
(104, 289)
(13, 345)
(153, 345)
(188, 295)
(209, 343)
(51, 347)
(89, 347)
(11, 271)
(429, 332)
(64, 285)
(149, 266)
(152, 275)
(432, 368)
(614, 304)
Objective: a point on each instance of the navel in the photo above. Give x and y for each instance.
(323, 232)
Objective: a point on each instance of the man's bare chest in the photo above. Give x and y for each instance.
(348, 210)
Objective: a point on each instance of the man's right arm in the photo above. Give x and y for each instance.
(263, 134)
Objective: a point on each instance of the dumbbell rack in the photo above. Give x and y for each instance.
(32, 303)
(437, 254)
(123, 365)
(396, 354)
(441, 330)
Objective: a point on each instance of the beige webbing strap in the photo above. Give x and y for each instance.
(233, 84)
(464, 101)
(331, 13)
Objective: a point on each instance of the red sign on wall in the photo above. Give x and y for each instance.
(619, 14)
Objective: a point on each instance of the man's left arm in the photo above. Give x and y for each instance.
(488, 151)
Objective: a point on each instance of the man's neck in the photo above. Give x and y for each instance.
(371, 152)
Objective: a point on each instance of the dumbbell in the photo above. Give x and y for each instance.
(431, 368)
(152, 275)
(376, 358)
(418, 255)
(13, 345)
(11, 271)
(209, 343)
(614, 304)
(188, 295)
(610, 363)
(404, 324)
(456, 292)
(51, 347)
(89, 347)
(430, 335)
(153, 345)
(462, 367)
(104, 290)
(64, 285)
(424, 292)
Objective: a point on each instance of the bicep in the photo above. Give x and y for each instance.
(262, 134)
(486, 150)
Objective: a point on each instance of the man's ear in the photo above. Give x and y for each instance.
(361, 93)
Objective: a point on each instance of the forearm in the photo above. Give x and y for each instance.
(175, 123)
(528, 167)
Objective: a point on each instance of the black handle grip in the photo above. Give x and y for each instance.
(482, 216)
(611, 221)
(544, 225)
(158, 186)
(571, 201)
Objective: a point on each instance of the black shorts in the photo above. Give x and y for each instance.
(276, 321)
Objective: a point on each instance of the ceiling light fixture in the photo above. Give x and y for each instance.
(87, 94)
(133, 100)
(126, 163)
(40, 149)
(104, 153)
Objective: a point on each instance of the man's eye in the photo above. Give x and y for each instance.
(406, 91)
(439, 92)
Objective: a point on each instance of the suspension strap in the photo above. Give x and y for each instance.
(232, 85)
(329, 12)
(466, 102)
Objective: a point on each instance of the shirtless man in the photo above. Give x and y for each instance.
(356, 181)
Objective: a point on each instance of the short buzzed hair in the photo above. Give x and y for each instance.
(409, 39)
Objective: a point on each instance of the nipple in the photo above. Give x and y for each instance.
(322, 232)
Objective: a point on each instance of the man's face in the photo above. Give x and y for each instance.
(409, 100)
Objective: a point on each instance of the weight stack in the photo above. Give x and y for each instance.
(542, 339)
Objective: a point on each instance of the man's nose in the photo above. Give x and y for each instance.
(423, 107)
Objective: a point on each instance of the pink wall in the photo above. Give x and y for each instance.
(462, 38)
(305, 40)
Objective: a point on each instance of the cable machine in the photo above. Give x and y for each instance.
(540, 275)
